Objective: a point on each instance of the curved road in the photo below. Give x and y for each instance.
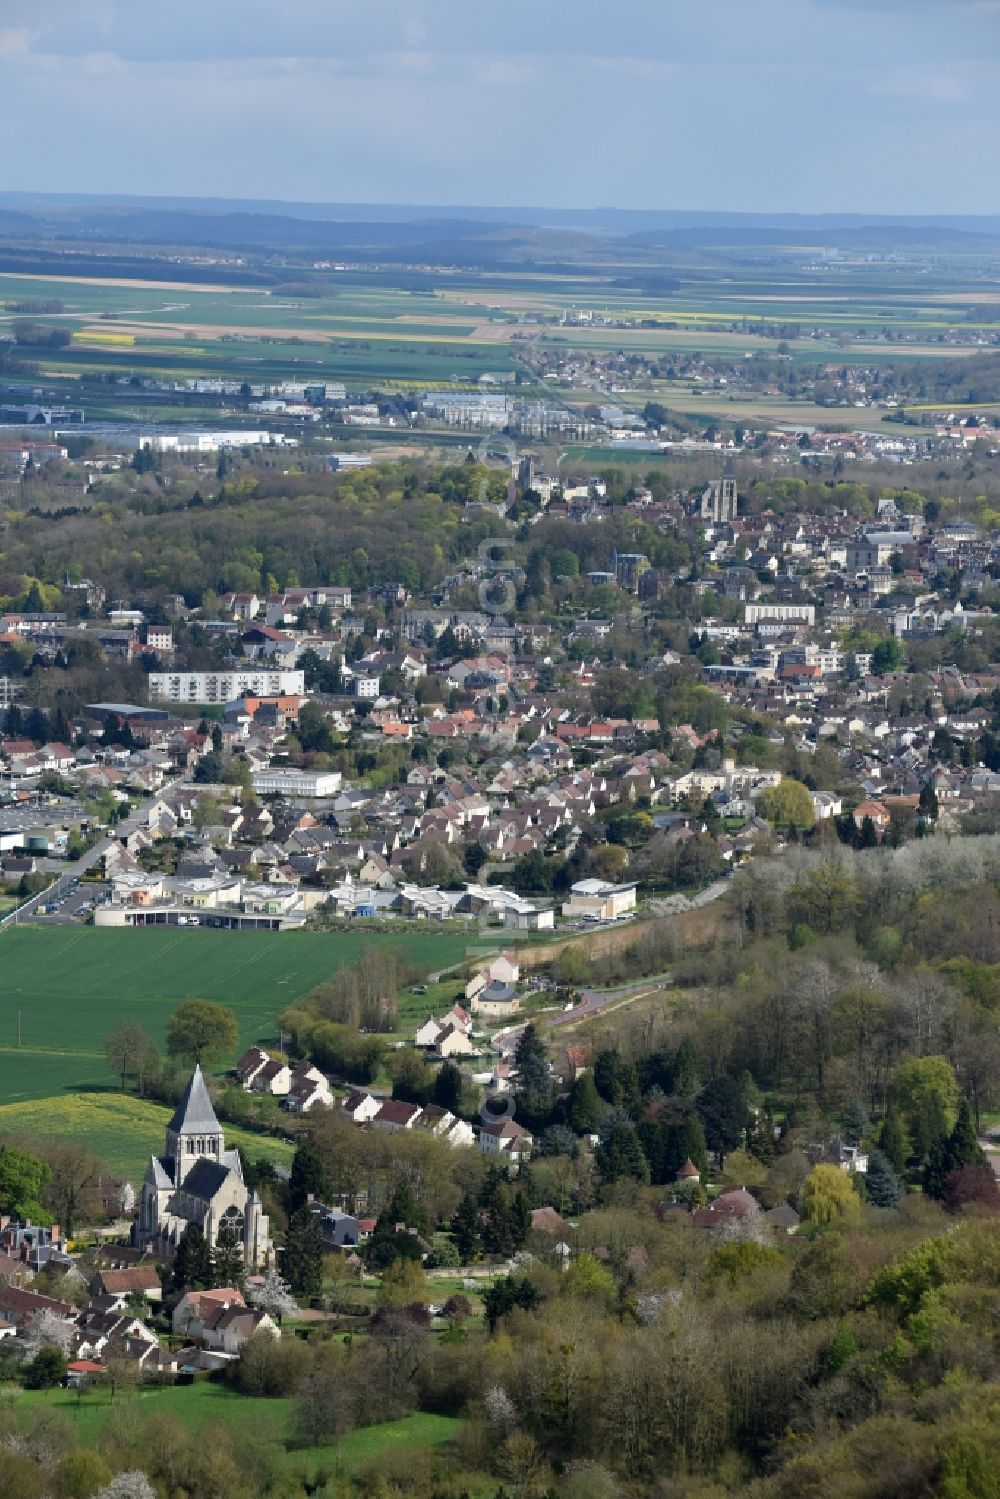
(594, 1000)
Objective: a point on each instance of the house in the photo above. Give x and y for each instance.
(444, 1124)
(18, 1306)
(33, 1244)
(361, 1107)
(249, 1064)
(454, 1042)
(572, 1061)
(14, 1272)
(274, 1078)
(548, 1221)
(101, 1331)
(140, 1280)
(503, 969)
(459, 1018)
(522, 916)
(226, 1329)
(505, 1138)
(339, 1230)
(783, 1219)
(825, 804)
(427, 1034)
(496, 1001)
(195, 1305)
(877, 813)
(395, 1115)
(308, 1089)
(732, 1207)
(850, 1158)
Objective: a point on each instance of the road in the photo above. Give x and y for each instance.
(60, 888)
(593, 1001)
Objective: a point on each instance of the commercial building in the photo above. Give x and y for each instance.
(786, 614)
(296, 783)
(597, 900)
(223, 686)
(211, 442)
(467, 410)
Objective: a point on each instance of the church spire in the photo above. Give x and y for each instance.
(194, 1113)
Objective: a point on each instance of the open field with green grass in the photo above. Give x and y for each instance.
(249, 1420)
(450, 328)
(71, 986)
(121, 1130)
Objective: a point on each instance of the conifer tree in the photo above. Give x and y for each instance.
(963, 1144)
(228, 1268)
(465, 1227)
(302, 1262)
(620, 1152)
(192, 1268)
(893, 1142)
(856, 1123)
(586, 1107)
(883, 1187)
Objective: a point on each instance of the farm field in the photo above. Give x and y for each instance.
(450, 329)
(71, 986)
(121, 1130)
(248, 1419)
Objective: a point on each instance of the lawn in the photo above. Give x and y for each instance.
(121, 1130)
(63, 990)
(202, 1406)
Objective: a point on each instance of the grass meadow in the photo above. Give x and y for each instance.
(62, 991)
(121, 1130)
(249, 1420)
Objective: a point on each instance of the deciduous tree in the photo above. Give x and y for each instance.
(202, 1031)
(828, 1196)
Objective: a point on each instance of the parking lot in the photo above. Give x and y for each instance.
(74, 901)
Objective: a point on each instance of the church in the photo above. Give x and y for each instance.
(197, 1180)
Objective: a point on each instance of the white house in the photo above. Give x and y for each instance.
(274, 1077)
(825, 804)
(447, 1126)
(453, 1042)
(361, 1107)
(428, 1033)
(505, 1138)
(307, 1090)
(504, 969)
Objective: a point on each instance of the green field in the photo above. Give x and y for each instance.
(122, 1131)
(451, 328)
(68, 988)
(249, 1420)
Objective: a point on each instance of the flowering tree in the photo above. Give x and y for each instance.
(273, 1296)
(45, 1330)
(132, 1484)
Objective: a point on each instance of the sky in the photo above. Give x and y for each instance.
(766, 105)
